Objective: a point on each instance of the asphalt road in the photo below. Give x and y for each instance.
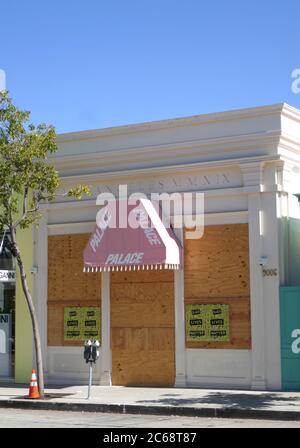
(16, 418)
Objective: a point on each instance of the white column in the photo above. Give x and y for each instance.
(272, 215)
(271, 292)
(256, 294)
(252, 179)
(262, 182)
(180, 358)
(105, 379)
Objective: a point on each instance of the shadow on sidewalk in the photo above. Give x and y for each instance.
(231, 401)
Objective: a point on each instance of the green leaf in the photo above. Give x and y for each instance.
(26, 176)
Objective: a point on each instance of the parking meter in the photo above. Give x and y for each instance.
(87, 351)
(95, 351)
(91, 354)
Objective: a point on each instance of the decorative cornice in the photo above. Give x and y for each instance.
(137, 157)
(177, 122)
(206, 150)
(289, 148)
(291, 112)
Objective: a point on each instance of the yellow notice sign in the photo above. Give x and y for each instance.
(81, 323)
(207, 323)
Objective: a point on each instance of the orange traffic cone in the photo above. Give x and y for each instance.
(33, 389)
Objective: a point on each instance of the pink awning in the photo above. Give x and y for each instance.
(115, 246)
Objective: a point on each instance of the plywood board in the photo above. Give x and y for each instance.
(150, 276)
(68, 285)
(145, 368)
(217, 272)
(217, 264)
(142, 328)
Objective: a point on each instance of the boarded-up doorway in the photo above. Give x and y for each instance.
(142, 328)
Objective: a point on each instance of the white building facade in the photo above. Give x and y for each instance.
(247, 164)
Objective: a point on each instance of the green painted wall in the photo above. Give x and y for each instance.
(294, 252)
(290, 337)
(23, 335)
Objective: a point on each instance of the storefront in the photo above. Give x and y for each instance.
(7, 309)
(210, 320)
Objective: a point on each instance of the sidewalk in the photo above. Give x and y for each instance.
(160, 401)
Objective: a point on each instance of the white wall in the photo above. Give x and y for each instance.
(218, 368)
(67, 366)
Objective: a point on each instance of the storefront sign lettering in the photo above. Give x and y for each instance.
(203, 325)
(152, 237)
(179, 183)
(150, 233)
(7, 276)
(3, 319)
(123, 259)
(96, 239)
(103, 218)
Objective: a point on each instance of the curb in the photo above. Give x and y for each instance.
(152, 410)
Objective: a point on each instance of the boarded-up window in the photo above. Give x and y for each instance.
(216, 271)
(68, 285)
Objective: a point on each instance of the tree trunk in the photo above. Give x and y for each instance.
(35, 327)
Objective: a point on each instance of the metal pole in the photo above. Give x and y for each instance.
(90, 380)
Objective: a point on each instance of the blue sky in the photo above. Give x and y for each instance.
(98, 63)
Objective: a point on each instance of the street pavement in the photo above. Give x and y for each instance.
(18, 418)
(188, 402)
